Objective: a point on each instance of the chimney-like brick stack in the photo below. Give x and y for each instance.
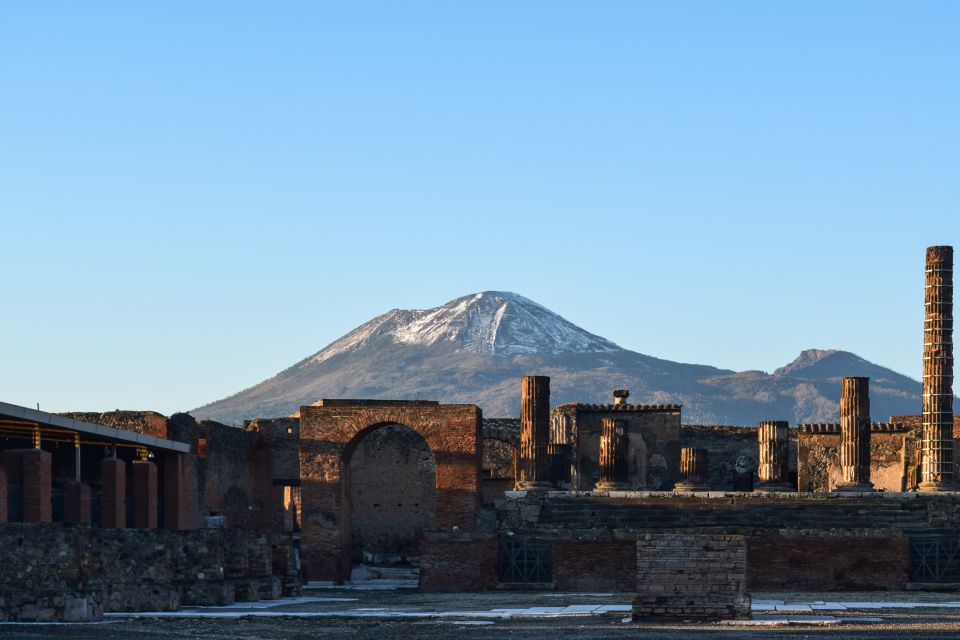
(937, 447)
(614, 465)
(534, 434)
(774, 445)
(855, 435)
(693, 470)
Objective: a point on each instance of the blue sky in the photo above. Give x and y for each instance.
(194, 196)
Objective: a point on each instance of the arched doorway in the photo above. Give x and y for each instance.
(390, 495)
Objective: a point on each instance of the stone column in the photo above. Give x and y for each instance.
(855, 435)
(113, 493)
(145, 494)
(534, 434)
(693, 470)
(175, 492)
(937, 446)
(614, 466)
(37, 485)
(774, 444)
(76, 503)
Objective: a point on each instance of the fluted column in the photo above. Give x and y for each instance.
(774, 445)
(855, 435)
(937, 445)
(693, 470)
(614, 465)
(534, 433)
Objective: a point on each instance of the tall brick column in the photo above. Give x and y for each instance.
(855, 435)
(937, 446)
(693, 470)
(37, 485)
(175, 492)
(614, 465)
(3, 495)
(76, 502)
(774, 445)
(113, 493)
(534, 433)
(145, 494)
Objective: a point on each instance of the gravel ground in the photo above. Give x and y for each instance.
(913, 624)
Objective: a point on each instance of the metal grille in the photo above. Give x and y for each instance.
(525, 560)
(935, 558)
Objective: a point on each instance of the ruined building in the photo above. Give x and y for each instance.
(573, 497)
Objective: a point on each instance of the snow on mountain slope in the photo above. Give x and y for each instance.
(487, 323)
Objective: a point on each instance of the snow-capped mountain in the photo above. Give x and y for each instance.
(491, 323)
(474, 349)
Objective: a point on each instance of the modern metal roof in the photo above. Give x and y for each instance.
(119, 435)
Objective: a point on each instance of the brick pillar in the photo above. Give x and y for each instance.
(855, 435)
(145, 494)
(534, 434)
(614, 466)
(37, 485)
(937, 445)
(76, 503)
(3, 495)
(175, 492)
(113, 493)
(774, 469)
(693, 470)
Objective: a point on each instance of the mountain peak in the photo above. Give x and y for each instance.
(489, 322)
(823, 358)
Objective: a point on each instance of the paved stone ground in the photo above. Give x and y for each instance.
(379, 614)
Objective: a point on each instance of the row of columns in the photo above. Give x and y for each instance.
(37, 485)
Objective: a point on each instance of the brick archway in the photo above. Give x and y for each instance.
(328, 427)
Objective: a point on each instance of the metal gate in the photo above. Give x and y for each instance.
(935, 558)
(525, 560)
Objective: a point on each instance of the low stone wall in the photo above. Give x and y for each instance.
(594, 566)
(691, 576)
(458, 564)
(829, 561)
(52, 572)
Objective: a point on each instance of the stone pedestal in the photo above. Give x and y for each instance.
(37, 485)
(534, 434)
(144, 494)
(175, 492)
(693, 470)
(113, 493)
(774, 456)
(936, 464)
(76, 503)
(855, 435)
(614, 466)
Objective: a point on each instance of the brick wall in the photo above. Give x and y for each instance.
(458, 564)
(818, 459)
(691, 576)
(861, 562)
(604, 565)
(328, 434)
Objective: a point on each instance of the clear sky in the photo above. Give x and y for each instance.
(196, 195)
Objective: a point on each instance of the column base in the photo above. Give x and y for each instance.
(854, 487)
(933, 487)
(774, 487)
(691, 486)
(534, 485)
(612, 486)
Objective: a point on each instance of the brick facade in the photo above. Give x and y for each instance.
(458, 564)
(607, 565)
(328, 433)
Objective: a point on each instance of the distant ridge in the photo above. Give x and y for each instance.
(474, 348)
